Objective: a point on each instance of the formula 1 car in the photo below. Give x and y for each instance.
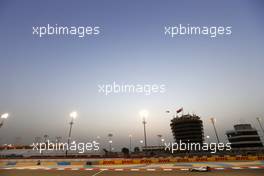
(200, 169)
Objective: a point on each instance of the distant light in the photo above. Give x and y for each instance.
(74, 114)
(141, 141)
(207, 137)
(4, 116)
(110, 142)
(213, 119)
(144, 113)
(162, 140)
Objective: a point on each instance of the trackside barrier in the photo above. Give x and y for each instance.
(63, 163)
(11, 163)
(2, 164)
(84, 162)
(48, 163)
(78, 163)
(260, 158)
(186, 159)
(26, 163)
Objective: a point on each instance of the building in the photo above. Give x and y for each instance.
(244, 137)
(187, 128)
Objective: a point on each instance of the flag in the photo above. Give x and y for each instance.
(179, 110)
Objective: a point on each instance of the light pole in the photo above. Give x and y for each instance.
(259, 119)
(130, 142)
(3, 116)
(213, 122)
(159, 139)
(162, 141)
(73, 116)
(110, 135)
(141, 143)
(58, 139)
(98, 138)
(110, 145)
(144, 115)
(37, 139)
(208, 138)
(46, 138)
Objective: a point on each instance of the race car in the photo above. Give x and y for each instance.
(200, 169)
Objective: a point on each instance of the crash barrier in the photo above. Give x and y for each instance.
(11, 163)
(48, 163)
(178, 159)
(79, 163)
(29, 163)
(63, 163)
(26, 162)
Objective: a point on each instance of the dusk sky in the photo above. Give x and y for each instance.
(44, 79)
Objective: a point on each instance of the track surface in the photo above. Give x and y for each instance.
(245, 172)
(247, 168)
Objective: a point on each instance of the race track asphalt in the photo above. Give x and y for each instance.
(244, 172)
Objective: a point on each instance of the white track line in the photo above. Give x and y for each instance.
(151, 169)
(253, 167)
(131, 169)
(98, 173)
(236, 168)
(134, 169)
(219, 168)
(60, 168)
(47, 168)
(19, 168)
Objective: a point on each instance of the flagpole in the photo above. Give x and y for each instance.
(179, 111)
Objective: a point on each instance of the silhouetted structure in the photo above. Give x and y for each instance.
(187, 128)
(244, 136)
